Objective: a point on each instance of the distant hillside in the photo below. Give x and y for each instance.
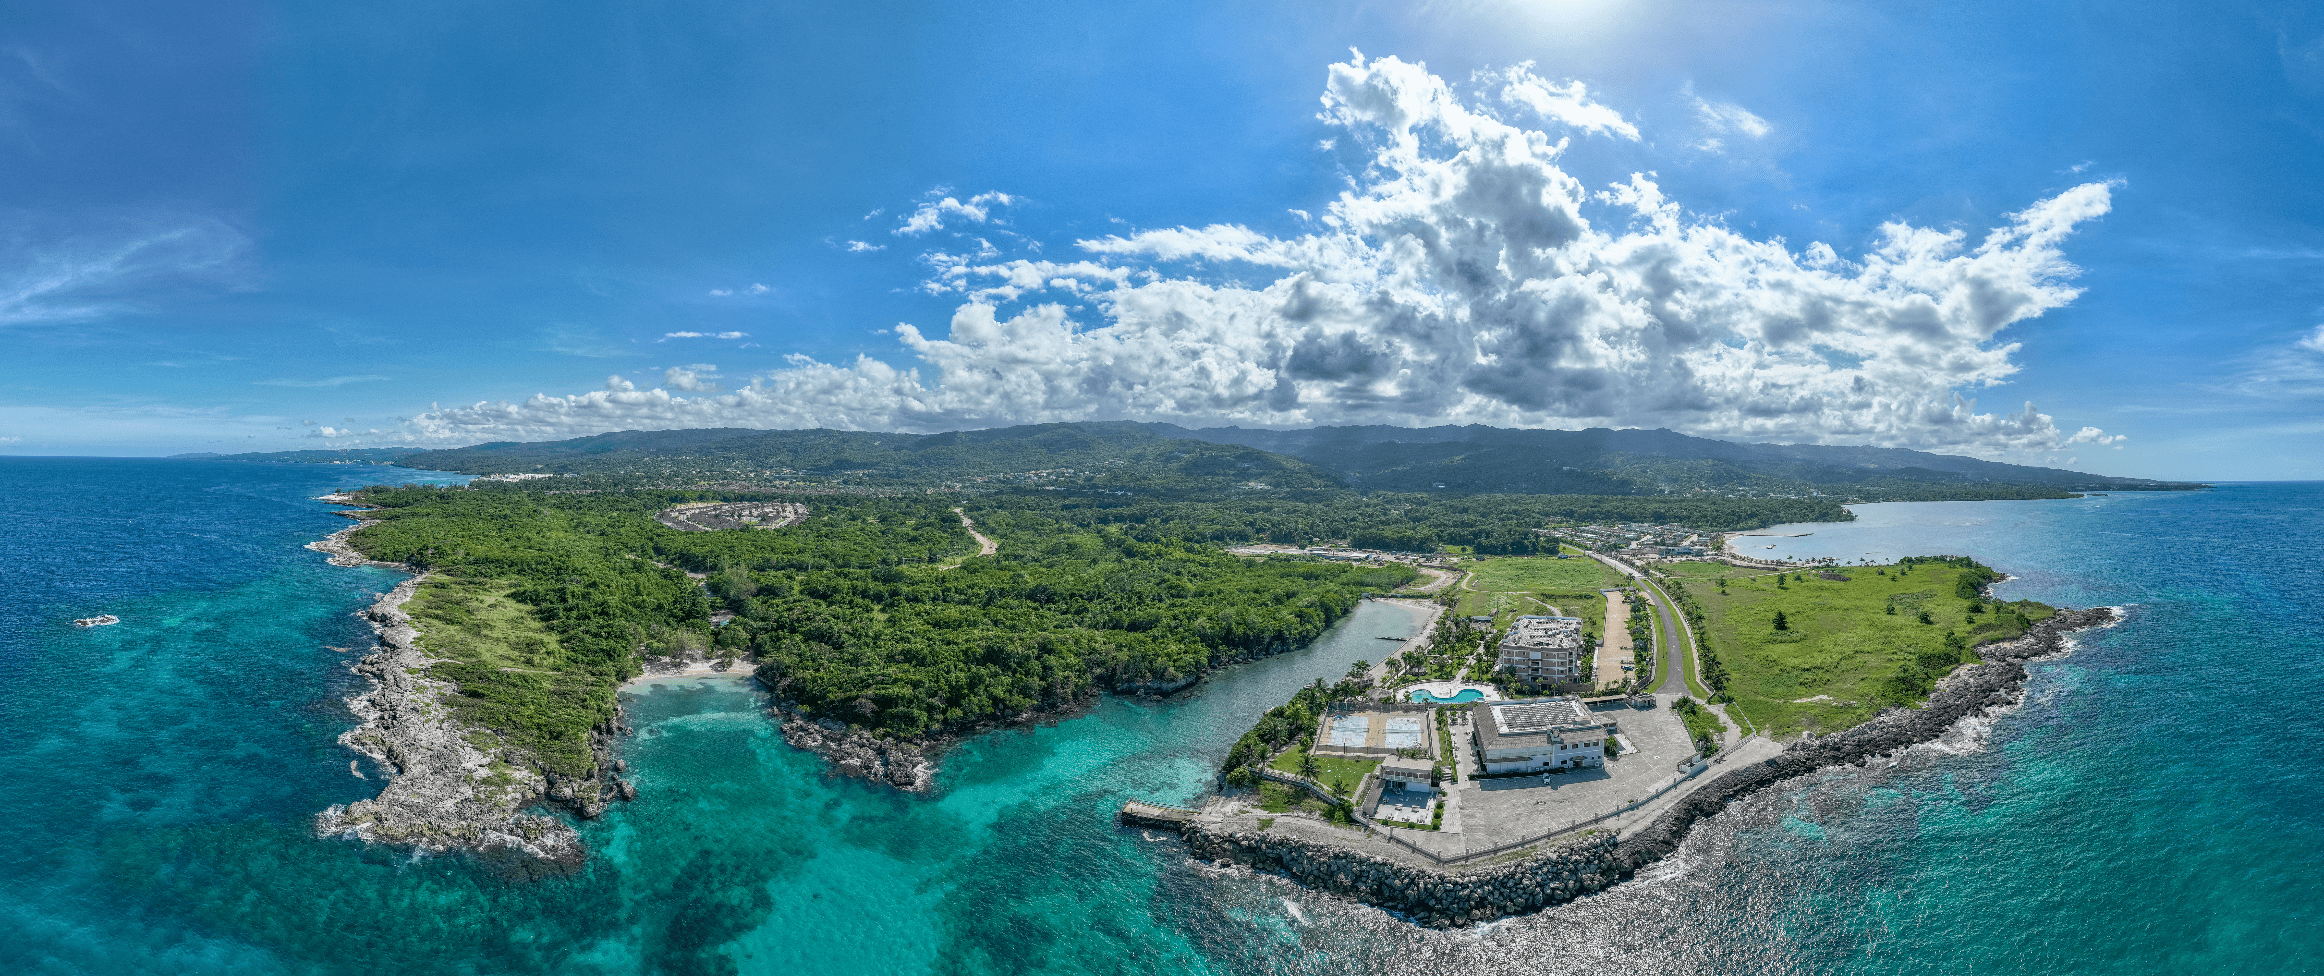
(353, 455)
(1471, 460)
(1096, 455)
(1479, 459)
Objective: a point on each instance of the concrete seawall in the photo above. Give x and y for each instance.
(1589, 863)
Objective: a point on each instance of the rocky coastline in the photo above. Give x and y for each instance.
(905, 766)
(1588, 863)
(444, 793)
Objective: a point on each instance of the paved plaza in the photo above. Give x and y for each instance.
(1492, 812)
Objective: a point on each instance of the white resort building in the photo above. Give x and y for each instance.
(1539, 734)
(1543, 650)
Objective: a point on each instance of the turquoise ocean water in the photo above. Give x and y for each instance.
(2150, 809)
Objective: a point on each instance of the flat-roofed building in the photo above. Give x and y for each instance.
(1539, 734)
(1408, 774)
(1543, 650)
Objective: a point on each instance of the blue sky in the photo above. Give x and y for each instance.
(252, 227)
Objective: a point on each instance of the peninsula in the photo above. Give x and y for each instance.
(1538, 784)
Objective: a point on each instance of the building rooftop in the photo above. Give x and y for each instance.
(1408, 768)
(1506, 724)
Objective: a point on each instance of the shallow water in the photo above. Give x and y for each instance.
(2149, 808)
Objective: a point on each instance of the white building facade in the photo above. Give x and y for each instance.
(1539, 734)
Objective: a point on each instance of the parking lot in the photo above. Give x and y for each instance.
(1497, 811)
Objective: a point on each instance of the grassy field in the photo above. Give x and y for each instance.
(1842, 655)
(1512, 586)
(1331, 771)
(512, 673)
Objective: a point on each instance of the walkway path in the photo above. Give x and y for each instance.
(984, 546)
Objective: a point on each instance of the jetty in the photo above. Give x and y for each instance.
(1138, 814)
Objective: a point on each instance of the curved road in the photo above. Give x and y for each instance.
(1675, 630)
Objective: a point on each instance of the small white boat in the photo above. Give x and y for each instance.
(101, 620)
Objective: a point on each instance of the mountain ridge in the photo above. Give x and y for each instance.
(1103, 455)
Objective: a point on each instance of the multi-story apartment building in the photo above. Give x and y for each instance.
(1543, 650)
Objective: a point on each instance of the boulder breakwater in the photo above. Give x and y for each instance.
(1585, 864)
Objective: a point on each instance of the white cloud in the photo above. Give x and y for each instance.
(1720, 119)
(2314, 342)
(1463, 277)
(1568, 104)
(721, 292)
(758, 289)
(932, 215)
(698, 378)
(702, 335)
(864, 247)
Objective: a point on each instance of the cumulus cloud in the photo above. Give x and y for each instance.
(864, 247)
(933, 214)
(1463, 277)
(698, 378)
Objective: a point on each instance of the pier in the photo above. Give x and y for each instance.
(1138, 814)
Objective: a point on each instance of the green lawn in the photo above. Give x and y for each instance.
(1509, 586)
(1331, 771)
(1841, 647)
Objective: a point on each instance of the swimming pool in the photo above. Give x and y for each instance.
(1465, 696)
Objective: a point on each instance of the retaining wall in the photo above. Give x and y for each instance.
(1440, 897)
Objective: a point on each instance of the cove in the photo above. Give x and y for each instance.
(1016, 857)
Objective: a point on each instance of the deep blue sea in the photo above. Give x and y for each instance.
(2150, 809)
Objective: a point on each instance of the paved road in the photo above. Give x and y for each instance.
(1678, 638)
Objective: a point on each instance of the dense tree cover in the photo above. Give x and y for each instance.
(1102, 455)
(1316, 464)
(1058, 613)
(869, 611)
(1490, 524)
(565, 559)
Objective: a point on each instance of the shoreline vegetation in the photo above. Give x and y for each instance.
(879, 632)
(880, 625)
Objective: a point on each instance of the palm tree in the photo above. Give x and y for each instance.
(1308, 767)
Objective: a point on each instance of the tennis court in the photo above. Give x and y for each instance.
(1405, 732)
(1349, 730)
